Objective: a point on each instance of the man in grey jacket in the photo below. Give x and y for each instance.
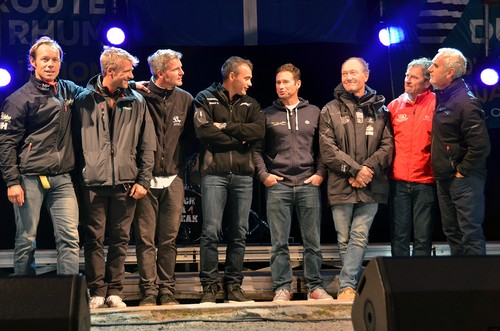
(116, 135)
(289, 166)
(356, 145)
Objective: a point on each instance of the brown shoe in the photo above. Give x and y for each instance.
(347, 294)
(148, 300)
(167, 299)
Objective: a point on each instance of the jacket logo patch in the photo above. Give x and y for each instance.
(278, 123)
(401, 118)
(248, 104)
(4, 121)
(307, 122)
(427, 118)
(176, 121)
(344, 119)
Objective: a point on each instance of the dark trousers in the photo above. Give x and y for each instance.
(109, 210)
(157, 220)
(412, 207)
(461, 202)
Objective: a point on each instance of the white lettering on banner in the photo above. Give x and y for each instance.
(67, 32)
(95, 7)
(478, 25)
(82, 32)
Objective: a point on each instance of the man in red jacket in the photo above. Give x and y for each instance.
(413, 188)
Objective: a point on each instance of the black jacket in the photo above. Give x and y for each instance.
(35, 130)
(230, 150)
(172, 115)
(356, 132)
(460, 140)
(290, 148)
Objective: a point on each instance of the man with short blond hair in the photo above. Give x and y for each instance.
(116, 136)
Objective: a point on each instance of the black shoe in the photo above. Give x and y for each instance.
(209, 294)
(168, 299)
(148, 300)
(234, 293)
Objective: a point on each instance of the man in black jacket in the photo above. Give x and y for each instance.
(289, 166)
(460, 146)
(158, 216)
(228, 124)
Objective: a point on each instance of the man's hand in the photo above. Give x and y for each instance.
(364, 176)
(316, 180)
(272, 180)
(138, 191)
(356, 184)
(15, 193)
(142, 85)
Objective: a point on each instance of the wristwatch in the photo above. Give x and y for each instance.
(222, 126)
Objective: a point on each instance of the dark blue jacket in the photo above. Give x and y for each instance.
(460, 140)
(290, 148)
(35, 130)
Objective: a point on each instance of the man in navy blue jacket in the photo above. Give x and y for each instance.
(289, 166)
(460, 145)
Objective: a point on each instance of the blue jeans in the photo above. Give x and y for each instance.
(461, 202)
(60, 200)
(216, 190)
(281, 200)
(412, 204)
(157, 219)
(352, 222)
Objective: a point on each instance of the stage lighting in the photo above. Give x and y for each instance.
(391, 35)
(115, 35)
(4, 77)
(489, 76)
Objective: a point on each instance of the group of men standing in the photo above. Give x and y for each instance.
(128, 149)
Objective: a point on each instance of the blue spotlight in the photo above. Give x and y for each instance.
(391, 35)
(116, 36)
(489, 76)
(5, 77)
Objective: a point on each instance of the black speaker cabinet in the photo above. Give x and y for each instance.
(44, 303)
(429, 293)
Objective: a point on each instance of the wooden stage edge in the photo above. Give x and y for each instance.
(257, 282)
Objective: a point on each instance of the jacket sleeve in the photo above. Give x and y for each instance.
(146, 149)
(476, 139)
(252, 131)
(187, 139)
(208, 133)
(259, 162)
(12, 129)
(381, 159)
(332, 156)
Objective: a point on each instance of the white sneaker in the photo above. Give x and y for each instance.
(318, 294)
(281, 295)
(97, 302)
(114, 301)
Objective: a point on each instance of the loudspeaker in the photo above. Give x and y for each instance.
(44, 303)
(429, 293)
